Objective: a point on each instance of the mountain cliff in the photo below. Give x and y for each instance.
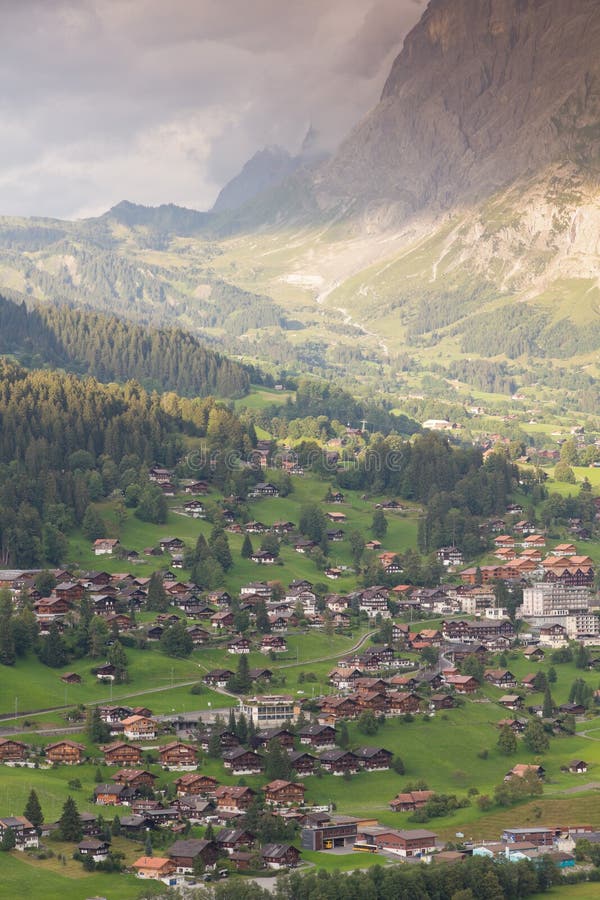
(482, 93)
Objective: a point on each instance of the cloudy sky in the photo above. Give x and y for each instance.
(159, 101)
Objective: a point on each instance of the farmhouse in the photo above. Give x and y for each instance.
(522, 769)
(105, 546)
(411, 800)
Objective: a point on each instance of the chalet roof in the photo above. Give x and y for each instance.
(281, 783)
(275, 851)
(152, 862)
(188, 848)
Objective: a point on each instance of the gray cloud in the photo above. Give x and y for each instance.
(157, 102)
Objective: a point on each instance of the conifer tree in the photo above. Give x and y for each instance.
(33, 810)
(70, 822)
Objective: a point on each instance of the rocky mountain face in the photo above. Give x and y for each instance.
(483, 92)
(267, 168)
(266, 171)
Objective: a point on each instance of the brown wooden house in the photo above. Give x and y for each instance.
(374, 759)
(303, 763)
(122, 754)
(176, 754)
(283, 793)
(135, 778)
(186, 853)
(67, 752)
(321, 737)
(280, 856)
(243, 762)
(196, 783)
(12, 751)
(230, 797)
(411, 801)
(338, 762)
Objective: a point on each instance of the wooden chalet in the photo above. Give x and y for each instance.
(281, 735)
(338, 762)
(12, 751)
(340, 708)
(462, 684)
(442, 701)
(321, 737)
(24, 832)
(243, 762)
(230, 797)
(154, 868)
(411, 801)
(67, 753)
(218, 677)
(280, 856)
(303, 763)
(120, 753)
(138, 728)
(196, 784)
(233, 839)
(374, 759)
(502, 678)
(135, 778)
(403, 702)
(113, 794)
(228, 740)
(283, 793)
(186, 854)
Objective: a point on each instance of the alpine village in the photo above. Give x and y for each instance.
(300, 504)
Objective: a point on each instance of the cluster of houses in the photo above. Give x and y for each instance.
(320, 830)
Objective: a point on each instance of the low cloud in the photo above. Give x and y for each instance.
(110, 99)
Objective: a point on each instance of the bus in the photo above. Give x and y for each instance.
(364, 848)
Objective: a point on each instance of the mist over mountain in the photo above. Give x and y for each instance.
(483, 92)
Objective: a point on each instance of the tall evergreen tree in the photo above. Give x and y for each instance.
(69, 824)
(247, 548)
(8, 654)
(33, 810)
(157, 600)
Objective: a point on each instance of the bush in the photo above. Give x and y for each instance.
(197, 688)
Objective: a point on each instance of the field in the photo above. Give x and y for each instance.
(136, 535)
(22, 877)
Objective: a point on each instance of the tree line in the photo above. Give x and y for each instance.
(112, 349)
